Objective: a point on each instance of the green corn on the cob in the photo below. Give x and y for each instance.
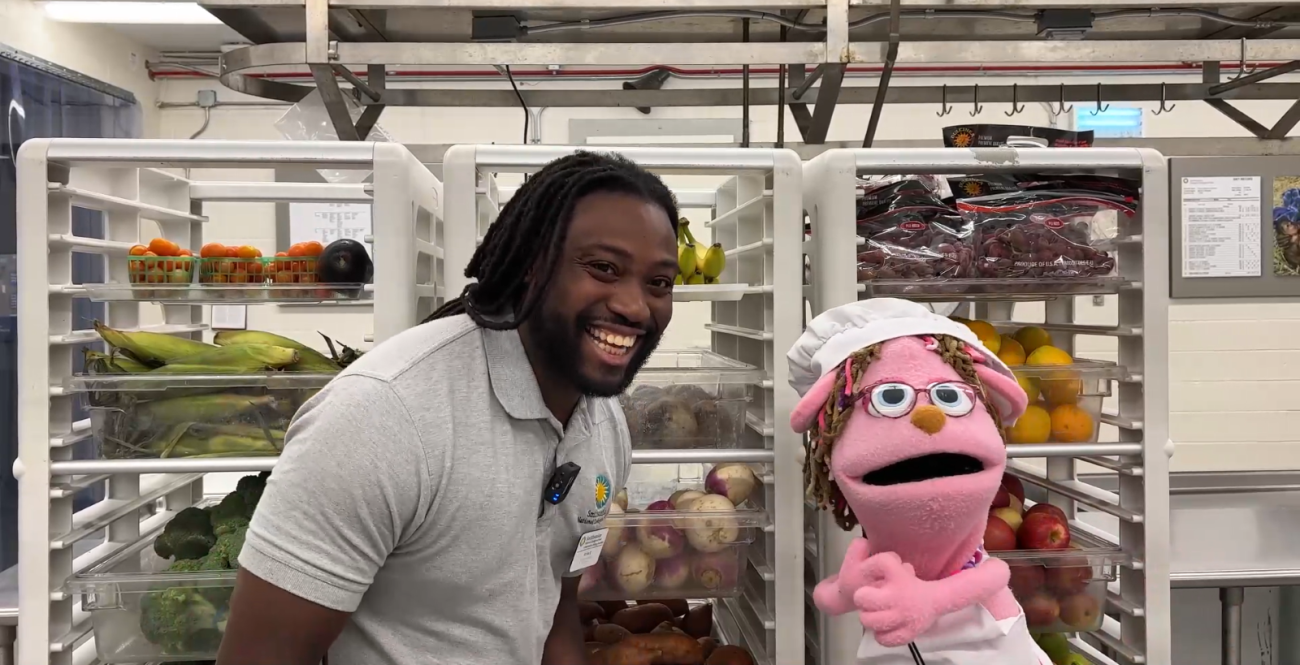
(218, 408)
(149, 346)
(310, 360)
(106, 363)
(220, 445)
(248, 356)
(237, 429)
(206, 369)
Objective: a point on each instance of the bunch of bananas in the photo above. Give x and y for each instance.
(696, 266)
(139, 419)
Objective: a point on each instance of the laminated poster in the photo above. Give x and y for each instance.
(1286, 226)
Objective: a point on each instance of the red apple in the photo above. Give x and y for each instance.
(1081, 611)
(1047, 508)
(1041, 610)
(998, 535)
(1002, 499)
(1042, 531)
(1009, 515)
(1027, 580)
(1014, 486)
(1069, 580)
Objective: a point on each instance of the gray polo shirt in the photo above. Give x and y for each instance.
(409, 494)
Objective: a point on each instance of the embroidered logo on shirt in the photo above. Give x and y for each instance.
(603, 491)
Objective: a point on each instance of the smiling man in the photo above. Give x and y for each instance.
(406, 521)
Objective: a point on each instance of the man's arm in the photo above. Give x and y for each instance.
(352, 481)
(564, 646)
(303, 631)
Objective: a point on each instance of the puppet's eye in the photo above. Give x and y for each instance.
(892, 400)
(951, 398)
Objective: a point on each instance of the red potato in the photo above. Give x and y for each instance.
(729, 654)
(642, 618)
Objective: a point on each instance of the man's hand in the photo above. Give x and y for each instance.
(270, 626)
(564, 646)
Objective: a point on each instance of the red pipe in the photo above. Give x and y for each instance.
(736, 71)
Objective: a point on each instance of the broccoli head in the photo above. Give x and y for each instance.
(230, 514)
(188, 535)
(251, 488)
(180, 620)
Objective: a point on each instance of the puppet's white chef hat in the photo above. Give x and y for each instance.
(836, 333)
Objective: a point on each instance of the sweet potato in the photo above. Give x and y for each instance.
(628, 654)
(612, 607)
(608, 633)
(708, 644)
(588, 611)
(677, 605)
(642, 618)
(665, 627)
(728, 654)
(699, 621)
(594, 650)
(673, 649)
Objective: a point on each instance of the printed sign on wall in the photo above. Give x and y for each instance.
(327, 222)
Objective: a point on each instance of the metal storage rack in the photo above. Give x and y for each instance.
(131, 181)
(756, 318)
(1137, 629)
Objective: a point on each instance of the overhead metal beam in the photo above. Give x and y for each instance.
(1238, 116)
(1262, 75)
(332, 97)
(828, 95)
(758, 53)
(933, 94)
(1242, 32)
(1286, 123)
(882, 91)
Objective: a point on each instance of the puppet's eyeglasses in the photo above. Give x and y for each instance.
(892, 399)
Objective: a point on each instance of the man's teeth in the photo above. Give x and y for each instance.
(610, 342)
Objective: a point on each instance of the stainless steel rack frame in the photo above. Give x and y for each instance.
(132, 181)
(1137, 628)
(758, 220)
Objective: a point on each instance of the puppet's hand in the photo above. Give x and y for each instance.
(894, 603)
(834, 595)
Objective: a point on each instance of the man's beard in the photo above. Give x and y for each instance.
(562, 348)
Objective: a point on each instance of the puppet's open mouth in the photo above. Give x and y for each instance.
(925, 467)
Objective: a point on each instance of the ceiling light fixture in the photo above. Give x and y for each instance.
(128, 13)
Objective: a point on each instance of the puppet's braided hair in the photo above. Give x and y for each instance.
(835, 414)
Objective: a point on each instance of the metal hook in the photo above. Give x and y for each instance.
(944, 108)
(976, 100)
(1061, 109)
(1162, 108)
(1241, 67)
(1100, 108)
(1015, 93)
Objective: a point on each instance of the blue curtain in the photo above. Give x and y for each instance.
(45, 102)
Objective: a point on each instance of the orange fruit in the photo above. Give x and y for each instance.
(1011, 352)
(212, 250)
(137, 250)
(312, 248)
(1032, 337)
(232, 252)
(1071, 424)
(1034, 426)
(297, 249)
(186, 252)
(164, 247)
(247, 252)
(148, 253)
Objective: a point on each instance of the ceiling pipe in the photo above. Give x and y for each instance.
(704, 73)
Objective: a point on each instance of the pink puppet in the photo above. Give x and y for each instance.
(904, 410)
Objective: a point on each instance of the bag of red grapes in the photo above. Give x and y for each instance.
(909, 232)
(1044, 233)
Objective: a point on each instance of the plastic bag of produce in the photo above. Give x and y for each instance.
(909, 232)
(1043, 233)
(995, 136)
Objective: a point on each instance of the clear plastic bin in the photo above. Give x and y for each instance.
(237, 415)
(116, 592)
(656, 552)
(1064, 591)
(689, 399)
(1065, 402)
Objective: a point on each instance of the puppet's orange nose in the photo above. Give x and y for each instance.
(928, 418)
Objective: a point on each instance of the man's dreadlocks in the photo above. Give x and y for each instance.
(818, 480)
(514, 265)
